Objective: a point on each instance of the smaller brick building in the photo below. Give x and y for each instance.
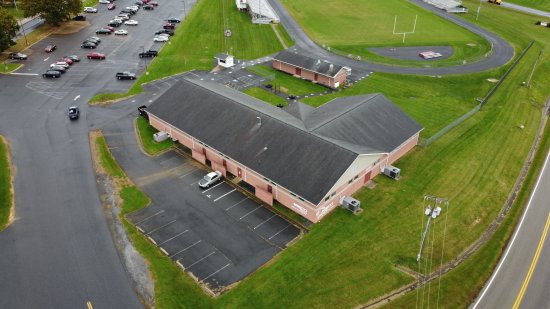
(316, 70)
(308, 164)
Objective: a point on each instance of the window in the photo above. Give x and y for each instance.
(356, 176)
(333, 194)
(301, 199)
(350, 181)
(327, 198)
(293, 194)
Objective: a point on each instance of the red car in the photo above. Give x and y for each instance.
(95, 55)
(111, 6)
(169, 26)
(145, 1)
(110, 28)
(50, 48)
(66, 60)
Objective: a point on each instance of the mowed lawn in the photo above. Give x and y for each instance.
(287, 83)
(5, 184)
(265, 95)
(353, 26)
(543, 5)
(201, 36)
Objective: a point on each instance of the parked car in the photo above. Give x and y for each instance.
(145, 1)
(88, 44)
(109, 28)
(148, 7)
(59, 63)
(153, 3)
(111, 6)
(51, 74)
(74, 58)
(95, 55)
(139, 2)
(66, 60)
(92, 40)
(18, 56)
(121, 32)
(210, 179)
(134, 8)
(131, 22)
(126, 11)
(74, 112)
(173, 20)
(58, 68)
(95, 38)
(142, 110)
(115, 23)
(50, 48)
(103, 31)
(122, 17)
(148, 54)
(169, 26)
(104, 1)
(125, 75)
(161, 38)
(90, 10)
(79, 18)
(165, 31)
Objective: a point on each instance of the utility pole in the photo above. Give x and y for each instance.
(21, 25)
(432, 211)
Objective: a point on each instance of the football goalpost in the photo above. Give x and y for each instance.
(404, 33)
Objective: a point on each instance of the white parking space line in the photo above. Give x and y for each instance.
(253, 210)
(224, 195)
(185, 248)
(279, 232)
(257, 226)
(184, 175)
(162, 243)
(217, 271)
(46, 59)
(198, 261)
(151, 216)
(25, 74)
(158, 228)
(203, 192)
(237, 203)
(76, 98)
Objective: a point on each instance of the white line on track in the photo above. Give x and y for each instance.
(279, 232)
(236, 203)
(217, 271)
(185, 248)
(224, 195)
(162, 243)
(199, 260)
(158, 228)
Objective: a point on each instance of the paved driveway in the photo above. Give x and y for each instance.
(219, 235)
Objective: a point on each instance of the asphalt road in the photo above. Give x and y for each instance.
(59, 252)
(502, 51)
(522, 277)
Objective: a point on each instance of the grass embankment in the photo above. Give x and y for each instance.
(149, 145)
(9, 67)
(104, 98)
(284, 35)
(266, 96)
(6, 193)
(90, 3)
(173, 288)
(543, 5)
(334, 24)
(287, 83)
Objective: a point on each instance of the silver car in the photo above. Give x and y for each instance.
(210, 179)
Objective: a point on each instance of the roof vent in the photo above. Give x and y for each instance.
(330, 68)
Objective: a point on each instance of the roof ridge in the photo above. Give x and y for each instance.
(343, 112)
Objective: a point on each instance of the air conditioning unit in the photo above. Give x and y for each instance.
(392, 172)
(351, 204)
(160, 136)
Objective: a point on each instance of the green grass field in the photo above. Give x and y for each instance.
(15, 13)
(266, 96)
(347, 260)
(543, 5)
(146, 134)
(201, 36)
(288, 83)
(9, 67)
(353, 26)
(5, 184)
(107, 160)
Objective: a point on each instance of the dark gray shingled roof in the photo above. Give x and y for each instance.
(307, 157)
(316, 65)
(278, 148)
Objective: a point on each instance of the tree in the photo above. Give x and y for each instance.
(8, 29)
(53, 12)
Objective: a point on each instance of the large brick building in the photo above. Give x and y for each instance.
(316, 70)
(306, 164)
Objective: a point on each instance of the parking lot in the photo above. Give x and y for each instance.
(121, 51)
(218, 235)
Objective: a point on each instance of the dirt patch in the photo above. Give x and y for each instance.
(71, 27)
(12, 171)
(109, 187)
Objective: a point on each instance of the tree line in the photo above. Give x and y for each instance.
(53, 12)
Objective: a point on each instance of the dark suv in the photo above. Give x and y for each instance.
(74, 112)
(125, 75)
(148, 54)
(166, 31)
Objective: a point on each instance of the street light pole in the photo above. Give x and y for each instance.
(21, 25)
